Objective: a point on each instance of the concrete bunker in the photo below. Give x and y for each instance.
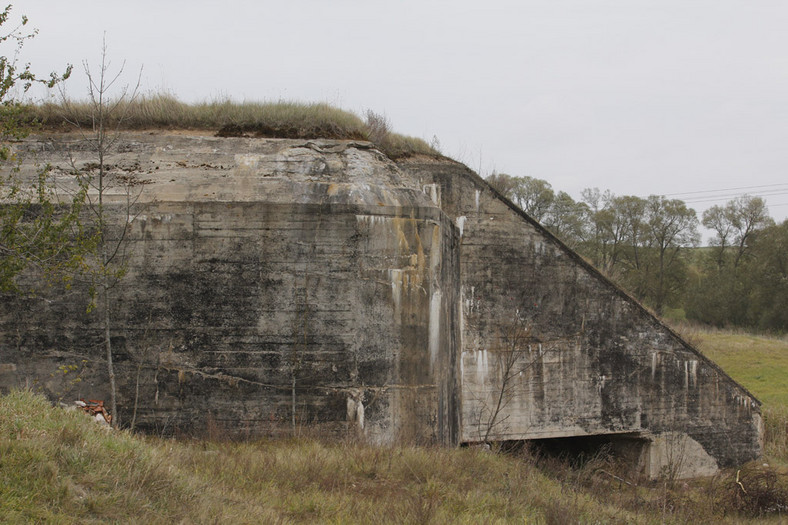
(260, 264)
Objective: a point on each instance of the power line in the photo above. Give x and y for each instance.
(781, 191)
(727, 189)
(729, 196)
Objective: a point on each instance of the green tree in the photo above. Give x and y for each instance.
(595, 246)
(626, 233)
(40, 232)
(716, 220)
(503, 183)
(533, 196)
(769, 272)
(567, 219)
(747, 215)
(640, 243)
(613, 231)
(670, 227)
(732, 281)
(734, 225)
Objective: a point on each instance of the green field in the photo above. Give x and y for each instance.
(757, 362)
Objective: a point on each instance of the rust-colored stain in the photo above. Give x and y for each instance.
(95, 407)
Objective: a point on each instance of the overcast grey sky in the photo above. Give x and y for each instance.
(638, 97)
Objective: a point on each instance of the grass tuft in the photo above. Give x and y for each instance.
(231, 119)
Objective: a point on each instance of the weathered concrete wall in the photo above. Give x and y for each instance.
(253, 266)
(391, 294)
(589, 359)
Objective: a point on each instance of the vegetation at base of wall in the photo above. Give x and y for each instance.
(232, 119)
(60, 466)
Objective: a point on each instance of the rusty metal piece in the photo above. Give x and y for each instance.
(95, 407)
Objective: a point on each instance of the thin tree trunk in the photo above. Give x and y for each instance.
(501, 393)
(661, 290)
(136, 396)
(105, 263)
(293, 403)
(108, 347)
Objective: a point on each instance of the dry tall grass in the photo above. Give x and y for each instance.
(776, 433)
(58, 466)
(228, 118)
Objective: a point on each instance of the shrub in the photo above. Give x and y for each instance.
(755, 491)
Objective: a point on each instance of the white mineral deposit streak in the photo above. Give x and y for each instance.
(694, 372)
(395, 276)
(435, 325)
(462, 312)
(653, 365)
(371, 220)
(481, 366)
(360, 415)
(433, 190)
(470, 303)
(461, 224)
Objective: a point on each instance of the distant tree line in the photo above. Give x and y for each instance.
(650, 246)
